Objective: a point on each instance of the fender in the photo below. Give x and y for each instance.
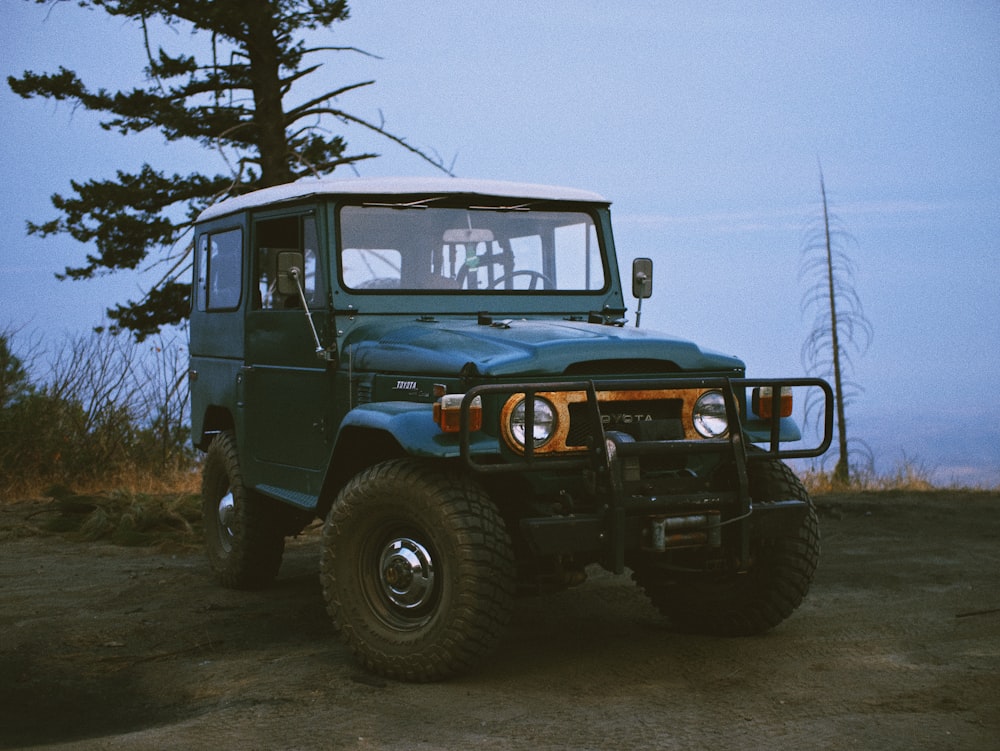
(412, 426)
(759, 431)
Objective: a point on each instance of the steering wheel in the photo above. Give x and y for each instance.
(479, 263)
(536, 277)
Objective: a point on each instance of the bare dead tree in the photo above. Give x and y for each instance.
(164, 399)
(840, 327)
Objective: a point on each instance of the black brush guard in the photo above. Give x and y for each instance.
(608, 458)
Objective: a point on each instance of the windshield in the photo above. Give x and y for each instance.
(469, 250)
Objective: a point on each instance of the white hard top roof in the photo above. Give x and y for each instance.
(396, 186)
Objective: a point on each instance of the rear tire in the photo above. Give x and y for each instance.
(417, 571)
(244, 536)
(734, 604)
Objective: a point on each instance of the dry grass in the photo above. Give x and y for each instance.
(142, 509)
(118, 517)
(146, 510)
(131, 481)
(909, 475)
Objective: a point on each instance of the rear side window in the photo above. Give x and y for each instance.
(219, 270)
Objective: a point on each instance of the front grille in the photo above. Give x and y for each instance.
(363, 392)
(644, 420)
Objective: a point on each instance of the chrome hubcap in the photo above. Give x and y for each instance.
(407, 573)
(227, 514)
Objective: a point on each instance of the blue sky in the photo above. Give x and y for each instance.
(701, 121)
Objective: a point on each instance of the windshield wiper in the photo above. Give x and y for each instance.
(518, 207)
(420, 203)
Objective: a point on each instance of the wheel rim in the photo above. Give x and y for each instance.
(406, 575)
(226, 515)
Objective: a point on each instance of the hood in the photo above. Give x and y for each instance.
(520, 348)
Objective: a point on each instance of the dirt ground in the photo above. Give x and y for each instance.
(897, 647)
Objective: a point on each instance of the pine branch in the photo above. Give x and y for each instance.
(233, 103)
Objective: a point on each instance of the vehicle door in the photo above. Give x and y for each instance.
(288, 387)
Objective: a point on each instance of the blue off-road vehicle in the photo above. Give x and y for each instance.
(444, 371)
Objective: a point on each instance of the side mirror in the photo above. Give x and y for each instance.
(642, 278)
(290, 280)
(288, 260)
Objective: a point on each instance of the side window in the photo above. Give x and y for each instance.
(286, 234)
(201, 273)
(527, 252)
(310, 252)
(578, 257)
(219, 270)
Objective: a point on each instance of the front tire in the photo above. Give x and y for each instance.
(417, 571)
(244, 539)
(742, 604)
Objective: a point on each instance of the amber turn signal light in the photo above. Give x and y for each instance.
(448, 411)
(763, 402)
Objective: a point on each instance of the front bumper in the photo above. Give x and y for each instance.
(635, 513)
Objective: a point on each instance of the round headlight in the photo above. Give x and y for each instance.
(709, 416)
(545, 422)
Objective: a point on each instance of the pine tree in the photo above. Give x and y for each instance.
(237, 103)
(14, 382)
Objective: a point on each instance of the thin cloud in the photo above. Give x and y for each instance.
(726, 222)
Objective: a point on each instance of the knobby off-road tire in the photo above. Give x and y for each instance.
(732, 604)
(417, 571)
(244, 539)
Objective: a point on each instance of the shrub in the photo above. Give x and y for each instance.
(106, 413)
